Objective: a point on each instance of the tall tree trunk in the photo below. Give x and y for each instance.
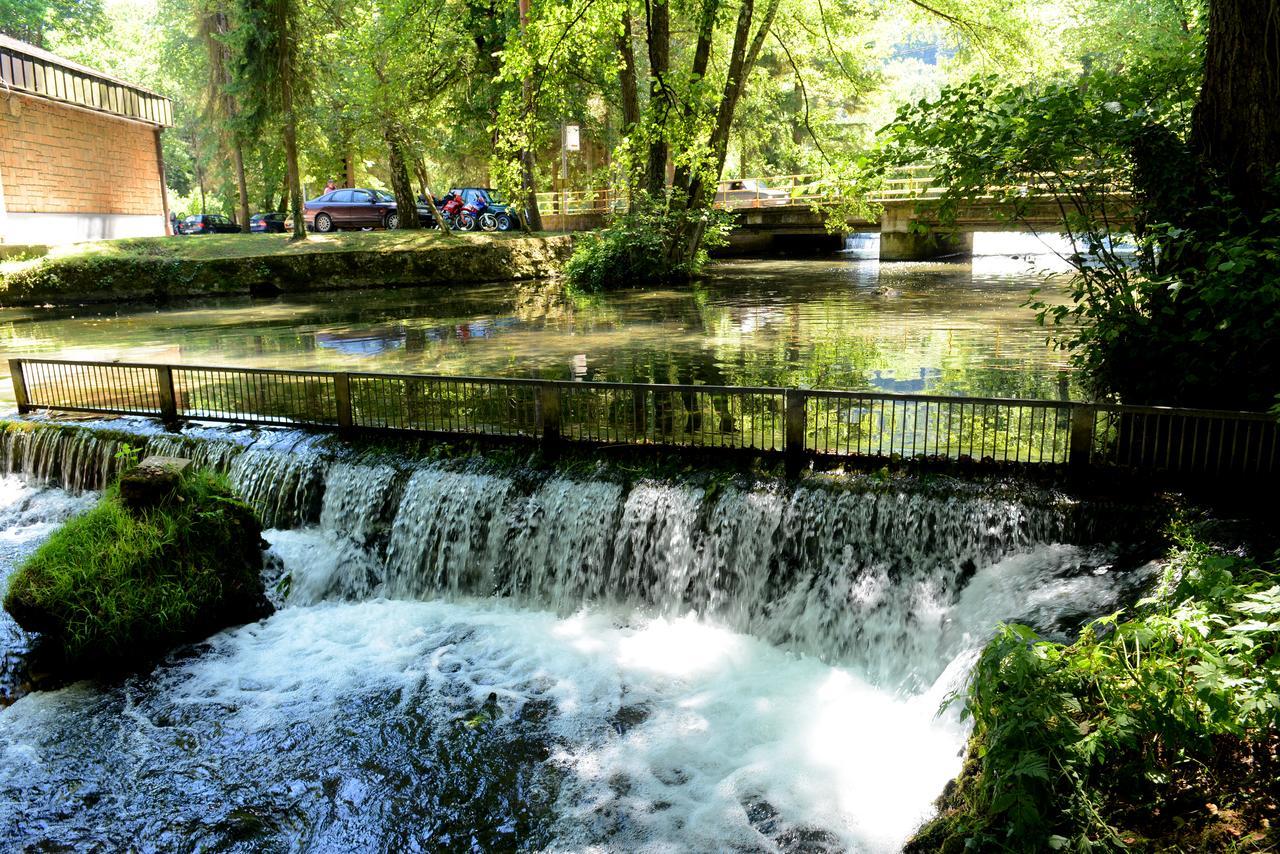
(349, 170)
(628, 80)
(1236, 124)
(237, 157)
(406, 206)
(698, 72)
(421, 169)
(742, 59)
(295, 179)
(532, 219)
(658, 19)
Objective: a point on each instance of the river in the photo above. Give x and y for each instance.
(843, 321)
(466, 658)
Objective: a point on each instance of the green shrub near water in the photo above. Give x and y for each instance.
(1156, 733)
(634, 249)
(117, 584)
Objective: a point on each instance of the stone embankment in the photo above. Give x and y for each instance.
(165, 268)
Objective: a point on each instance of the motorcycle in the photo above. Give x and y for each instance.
(453, 209)
(479, 215)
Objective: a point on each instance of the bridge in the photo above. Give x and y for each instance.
(1158, 443)
(786, 212)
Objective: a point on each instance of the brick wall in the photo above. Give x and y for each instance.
(57, 159)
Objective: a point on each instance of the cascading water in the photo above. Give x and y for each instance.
(472, 660)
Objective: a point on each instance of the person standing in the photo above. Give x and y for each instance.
(330, 187)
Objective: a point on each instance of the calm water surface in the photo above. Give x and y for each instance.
(837, 322)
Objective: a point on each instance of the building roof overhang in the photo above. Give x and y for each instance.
(29, 70)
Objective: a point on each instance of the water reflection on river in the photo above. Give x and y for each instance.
(837, 322)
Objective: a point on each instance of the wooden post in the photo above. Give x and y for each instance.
(793, 437)
(168, 400)
(342, 399)
(19, 386)
(1080, 448)
(548, 413)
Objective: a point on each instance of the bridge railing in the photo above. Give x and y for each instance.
(796, 422)
(916, 183)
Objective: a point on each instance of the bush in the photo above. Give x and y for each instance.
(118, 585)
(1155, 733)
(636, 247)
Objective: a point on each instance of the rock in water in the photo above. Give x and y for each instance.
(120, 585)
(151, 482)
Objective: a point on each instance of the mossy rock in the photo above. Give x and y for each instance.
(119, 587)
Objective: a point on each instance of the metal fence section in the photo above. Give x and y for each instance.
(876, 425)
(1205, 442)
(795, 422)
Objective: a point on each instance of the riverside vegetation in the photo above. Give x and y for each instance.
(1153, 733)
(262, 264)
(120, 585)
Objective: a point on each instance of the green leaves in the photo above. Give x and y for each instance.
(1066, 733)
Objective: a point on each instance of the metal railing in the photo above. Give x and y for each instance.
(795, 422)
(912, 184)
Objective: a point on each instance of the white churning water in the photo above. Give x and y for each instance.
(471, 660)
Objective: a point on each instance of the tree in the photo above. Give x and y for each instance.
(270, 81)
(1236, 127)
(32, 20)
(221, 109)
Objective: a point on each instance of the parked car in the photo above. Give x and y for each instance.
(355, 208)
(264, 223)
(749, 193)
(488, 201)
(207, 224)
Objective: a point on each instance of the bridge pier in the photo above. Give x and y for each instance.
(926, 246)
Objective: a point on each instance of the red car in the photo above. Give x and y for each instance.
(354, 208)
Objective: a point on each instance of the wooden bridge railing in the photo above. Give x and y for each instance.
(795, 422)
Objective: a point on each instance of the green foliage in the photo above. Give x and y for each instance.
(115, 585)
(1189, 316)
(30, 20)
(635, 248)
(1132, 729)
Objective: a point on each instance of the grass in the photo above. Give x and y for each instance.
(118, 586)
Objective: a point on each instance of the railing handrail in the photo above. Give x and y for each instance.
(1131, 408)
(911, 183)
(761, 419)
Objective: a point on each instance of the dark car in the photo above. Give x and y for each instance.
(207, 224)
(264, 223)
(355, 208)
(506, 215)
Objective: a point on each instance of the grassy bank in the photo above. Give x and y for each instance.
(1154, 731)
(121, 585)
(160, 268)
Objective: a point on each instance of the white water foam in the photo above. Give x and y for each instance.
(730, 741)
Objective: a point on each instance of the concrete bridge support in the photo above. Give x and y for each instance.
(924, 246)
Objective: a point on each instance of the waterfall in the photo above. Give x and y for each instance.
(465, 651)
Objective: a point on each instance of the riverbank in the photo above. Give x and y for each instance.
(164, 268)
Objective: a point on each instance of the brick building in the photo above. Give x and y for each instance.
(80, 155)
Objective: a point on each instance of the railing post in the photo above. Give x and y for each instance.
(548, 413)
(1080, 447)
(342, 399)
(168, 400)
(19, 386)
(640, 413)
(794, 423)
